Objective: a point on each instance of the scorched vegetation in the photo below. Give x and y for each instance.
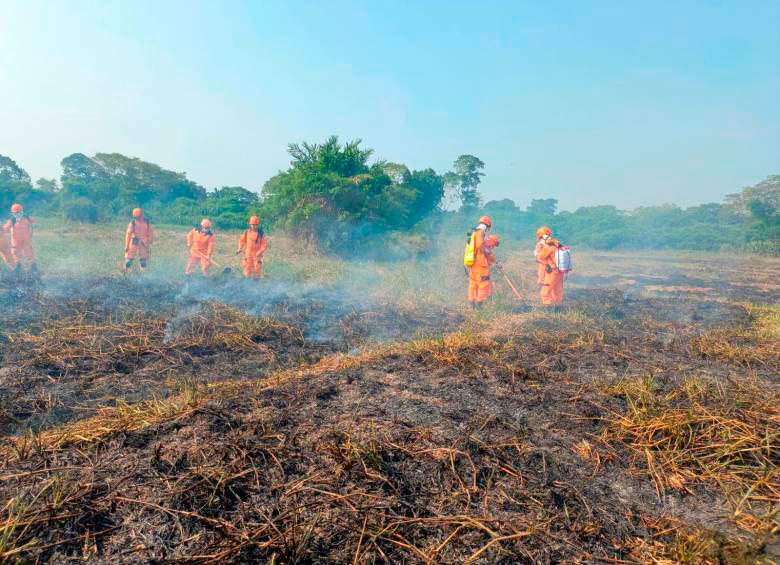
(360, 413)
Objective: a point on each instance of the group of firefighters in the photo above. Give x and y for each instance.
(253, 244)
(550, 274)
(138, 244)
(200, 241)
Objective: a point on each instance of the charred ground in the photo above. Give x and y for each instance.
(145, 421)
(71, 347)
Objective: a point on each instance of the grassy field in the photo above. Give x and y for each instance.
(359, 412)
(84, 250)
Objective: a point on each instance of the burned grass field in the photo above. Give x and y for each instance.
(149, 421)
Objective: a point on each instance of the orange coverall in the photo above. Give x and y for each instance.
(201, 247)
(141, 231)
(21, 239)
(540, 271)
(552, 288)
(253, 244)
(480, 285)
(5, 250)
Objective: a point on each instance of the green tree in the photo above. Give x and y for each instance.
(15, 184)
(766, 192)
(47, 185)
(759, 206)
(542, 208)
(141, 182)
(231, 206)
(428, 193)
(115, 183)
(235, 199)
(183, 211)
(503, 206)
(80, 210)
(327, 186)
(398, 173)
(465, 179)
(83, 177)
(332, 192)
(509, 219)
(599, 227)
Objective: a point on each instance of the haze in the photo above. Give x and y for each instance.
(589, 103)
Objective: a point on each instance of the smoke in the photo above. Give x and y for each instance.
(394, 286)
(345, 310)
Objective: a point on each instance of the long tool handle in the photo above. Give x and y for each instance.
(517, 294)
(509, 282)
(208, 258)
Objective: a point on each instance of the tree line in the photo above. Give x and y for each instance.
(333, 193)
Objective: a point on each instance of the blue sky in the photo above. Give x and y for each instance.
(625, 103)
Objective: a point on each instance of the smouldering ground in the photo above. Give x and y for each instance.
(362, 413)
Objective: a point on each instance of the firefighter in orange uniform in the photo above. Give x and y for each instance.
(253, 243)
(480, 287)
(542, 235)
(552, 289)
(138, 241)
(200, 240)
(20, 228)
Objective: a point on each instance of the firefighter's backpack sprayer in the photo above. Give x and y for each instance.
(470, 253)
(563, 260)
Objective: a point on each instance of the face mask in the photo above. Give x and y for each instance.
(545, 237)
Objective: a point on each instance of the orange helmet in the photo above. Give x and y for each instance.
(137, 213)
(205, 223)
(16, 208)
(486, 220)
(544, 230)
(254, 221)
(493, 241)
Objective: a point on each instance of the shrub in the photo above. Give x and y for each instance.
(80, 210)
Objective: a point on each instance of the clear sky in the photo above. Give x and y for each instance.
(625, 103)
